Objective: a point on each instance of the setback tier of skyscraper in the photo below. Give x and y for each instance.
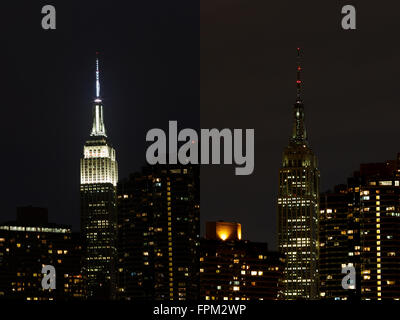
(158, 234)
(298, 201)
(99, 176)
(360, 226)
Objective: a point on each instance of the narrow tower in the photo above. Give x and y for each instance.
(99, 176)
(298, 206)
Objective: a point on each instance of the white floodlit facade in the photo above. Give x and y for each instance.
(99, 177)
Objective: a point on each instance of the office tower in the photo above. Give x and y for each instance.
(158, 234)
(298, 200)
(99, 176)
(373, 235)
(236, 269)
(31, 242)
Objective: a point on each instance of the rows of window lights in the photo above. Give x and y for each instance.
(293, 176)
(98, 204)
(385, 183)
(293, 199)
(295, 245)
(94, 187)
(97, 247)
(97, 170)
(99, 151)
(294, 269)
(292, 205)
(93, 165)
(100, 259)
(229, 298)
(297, 252)
(58, 251)
(300, 293)
(298, 281)
(298, 228)
(296, 220)
(35, 229)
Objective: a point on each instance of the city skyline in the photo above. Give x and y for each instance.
(160, 243)
(350, 87)
(56, 90)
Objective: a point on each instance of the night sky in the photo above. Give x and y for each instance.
(248, 71)
(149, 74)
(223, 64)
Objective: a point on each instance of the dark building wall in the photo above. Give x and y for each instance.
(135, 238)
(239, 270)
(158, 233)
(23, 252)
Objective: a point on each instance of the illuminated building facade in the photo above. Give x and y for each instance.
(298, 201)
(373, 238)
(158, 234)
(31, 242)
(99, 176)
(235, 269)
(339, 240)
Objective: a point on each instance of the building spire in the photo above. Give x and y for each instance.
(299, 134)
(97, 77)
(98, 128)
(298, 81)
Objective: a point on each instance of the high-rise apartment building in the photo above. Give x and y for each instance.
(99, 177)
(236, 269)
(31, 242)
(298, 201)
(339, 240)
(367, 236)
(158, 234)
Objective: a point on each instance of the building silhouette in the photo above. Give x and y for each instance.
(158, 234)
(99, 176)
(298, 201)
(360, 225)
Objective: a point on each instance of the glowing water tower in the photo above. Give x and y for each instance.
(223, 230)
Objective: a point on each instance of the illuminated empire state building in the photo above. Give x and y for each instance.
(298, 207)
(99, 176)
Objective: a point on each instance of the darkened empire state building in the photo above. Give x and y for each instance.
(298, 206)
(99, 177)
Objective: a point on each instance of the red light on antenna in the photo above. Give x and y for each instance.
(298, 81)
